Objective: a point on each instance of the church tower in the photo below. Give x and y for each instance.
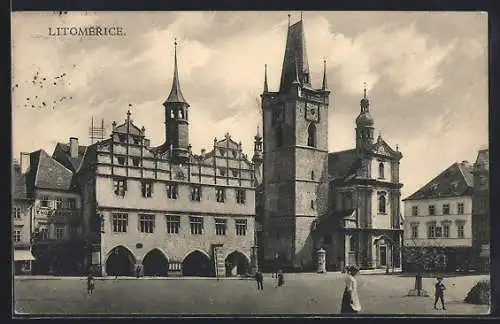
(176, 119)
(295, 131)
(364, 126)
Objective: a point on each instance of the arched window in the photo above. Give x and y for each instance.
(381, 204)
(312, 175)
(381, 170)
(279, 136)
(311, 138)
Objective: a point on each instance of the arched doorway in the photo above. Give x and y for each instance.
(155, 264)
(196, 264)
(120, 262)
(237, 264)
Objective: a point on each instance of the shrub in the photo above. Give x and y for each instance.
(479, 294)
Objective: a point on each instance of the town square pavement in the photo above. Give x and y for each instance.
(305, 293)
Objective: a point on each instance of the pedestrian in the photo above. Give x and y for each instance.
(439, 295)
(350, 299)
(90, 284)
(281, 278)
(260, 280)
(137, 271)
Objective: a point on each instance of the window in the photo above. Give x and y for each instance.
(172, 190)
(146, 223)
(220, 194)
(431, 230)
(120, 187)
(73, 230)
(173, 224)
(446, 230)
(136, 161)
(414, 210)
(121, 160)
(60, 232)
(311, 135)
(220, 226)
(222, 172)
(460, 208)
(196, 224)
(414, 231)
(432, 210)
(122, 138)
(460, 230)
(235, 154)
(312, 204)
(44, 234)
(147, 189)
(222, 152)
(44, 202)
(59, 203)
(16, 212)
(196, 193)
(235, 173)
(172, 114)
(241, 227)
(71, 203)
(137, 140)
(438, 232)
(120, 223)
(381, 203)
(16, 235)
(279, 136)
(312, 175)
(381, 170)
(446, 209)
(240, 196)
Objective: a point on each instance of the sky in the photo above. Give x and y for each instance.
(426, 76)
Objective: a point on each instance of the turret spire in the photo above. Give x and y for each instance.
(265, 79)
(325, 82)
(176, 93)
(365, 103)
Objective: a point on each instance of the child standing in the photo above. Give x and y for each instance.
(440, 288)
(281, 278)
(90, 284)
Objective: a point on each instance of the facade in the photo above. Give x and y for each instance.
(314, 199)
(56, 218)
(165, 211)
(22, 215)
(481, 210)
(438, 217)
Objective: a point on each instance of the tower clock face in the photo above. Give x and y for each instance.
(312, 112)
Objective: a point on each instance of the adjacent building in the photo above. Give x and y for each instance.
(481, 210)
(22, 216)
(438, 219)
(344, 202)
(165, 211)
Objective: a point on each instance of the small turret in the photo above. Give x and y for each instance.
(257, 151)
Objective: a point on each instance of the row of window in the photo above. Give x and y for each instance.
(445, 209)
(347, 201)
(172, 191)
(123, 138)
(16, 212)
(147, 224)
(59, 202)
(434, 231)
(43, 233)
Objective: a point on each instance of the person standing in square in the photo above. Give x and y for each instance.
(439, 295)
(260, 280)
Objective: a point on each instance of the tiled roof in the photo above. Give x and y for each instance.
(340, 163)
(62, 154)
(455, 181)
(47, 173)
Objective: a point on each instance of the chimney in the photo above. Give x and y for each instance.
(73, 147)
(25, 162)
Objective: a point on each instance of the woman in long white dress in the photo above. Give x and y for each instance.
(350, 299)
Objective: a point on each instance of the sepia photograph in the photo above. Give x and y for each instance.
(250, 163)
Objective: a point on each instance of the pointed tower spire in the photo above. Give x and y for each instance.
(265, 78)
(176, 93)
(325, 82)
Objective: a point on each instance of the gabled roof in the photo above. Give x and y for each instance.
(128, 127)
(340, 163)
(482, 160)
(46, 173)
(455, 181)
(62, 155)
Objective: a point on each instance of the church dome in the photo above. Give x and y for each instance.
(364, 119)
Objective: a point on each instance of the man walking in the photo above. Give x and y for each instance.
(260, 280)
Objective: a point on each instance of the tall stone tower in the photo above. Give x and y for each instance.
(295, 166)
(176, 119)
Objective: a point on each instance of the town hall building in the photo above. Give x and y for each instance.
(348, 202)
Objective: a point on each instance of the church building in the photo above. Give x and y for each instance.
(348, 202)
